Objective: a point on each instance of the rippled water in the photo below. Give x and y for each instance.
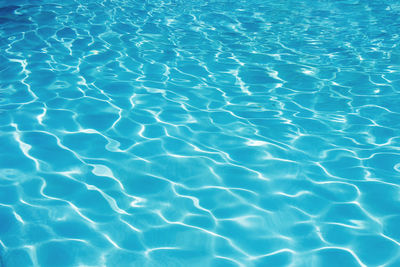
(199, 133)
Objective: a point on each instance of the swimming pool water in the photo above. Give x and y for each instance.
(199, 133)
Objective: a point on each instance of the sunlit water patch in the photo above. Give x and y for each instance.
(199, 133)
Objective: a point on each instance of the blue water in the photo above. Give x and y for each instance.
(199, 133)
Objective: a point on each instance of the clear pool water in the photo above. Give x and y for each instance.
(199, 133)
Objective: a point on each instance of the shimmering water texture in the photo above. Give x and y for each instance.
(199, 133)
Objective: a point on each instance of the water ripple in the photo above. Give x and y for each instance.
(192, 133)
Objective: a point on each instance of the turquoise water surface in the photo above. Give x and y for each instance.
(199, 133)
